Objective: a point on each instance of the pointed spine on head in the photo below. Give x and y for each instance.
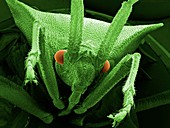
(76, 27)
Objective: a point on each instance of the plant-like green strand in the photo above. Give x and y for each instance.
(153, 101)
(19, 97)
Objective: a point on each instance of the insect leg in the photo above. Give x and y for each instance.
(128, 91)
(33, 55)
(128, 64)
(41, 54)
(116, 27)
(46, 70)
(77, 91)
(76, 28)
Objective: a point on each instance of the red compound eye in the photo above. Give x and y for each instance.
(59, 56)
(106, 66)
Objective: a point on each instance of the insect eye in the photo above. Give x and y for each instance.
(59, 56)
(106, 66)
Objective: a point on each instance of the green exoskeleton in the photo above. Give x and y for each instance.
(83, 48)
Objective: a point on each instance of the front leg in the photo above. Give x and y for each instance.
(45, 64)
(33, 55)
(128, 91)
(129, 63)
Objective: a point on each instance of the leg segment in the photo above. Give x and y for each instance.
(44, 60)
(76, 26)
(129, 63)
(73, 99)
(116, 27)
(46, 70)
(128, 91)
(33, 55)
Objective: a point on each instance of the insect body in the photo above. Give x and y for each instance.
(82, 47)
